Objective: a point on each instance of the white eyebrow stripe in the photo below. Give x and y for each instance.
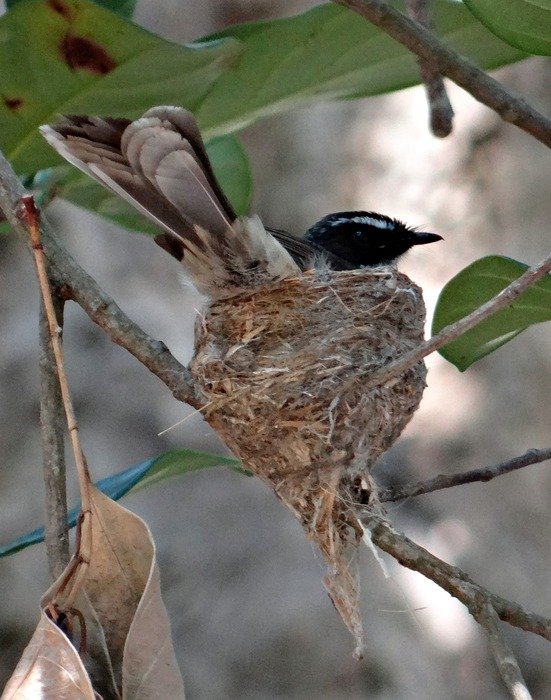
(368, 220)
(378, 223)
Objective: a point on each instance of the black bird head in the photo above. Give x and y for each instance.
(364, 238)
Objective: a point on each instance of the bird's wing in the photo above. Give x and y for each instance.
(307, 254)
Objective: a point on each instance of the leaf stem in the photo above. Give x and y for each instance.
(29, 214)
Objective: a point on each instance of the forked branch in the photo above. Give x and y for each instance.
(76, 284)
(456, 582)
(434, 52)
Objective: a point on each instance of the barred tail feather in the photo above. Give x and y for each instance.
(159, 164)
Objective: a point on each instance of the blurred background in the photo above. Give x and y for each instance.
(250, 617)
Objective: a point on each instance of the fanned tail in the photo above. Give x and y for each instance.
(159, 165)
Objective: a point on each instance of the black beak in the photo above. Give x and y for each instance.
(421, 237)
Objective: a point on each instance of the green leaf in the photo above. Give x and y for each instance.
(88, 60)
(180, 462)
(524, 24)
(152, 471)
(232, 170)
(124, 8)
(474, 286)
(331, 53)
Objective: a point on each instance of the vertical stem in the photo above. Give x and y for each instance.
(52, 423)
(29, 214)
(440, 109)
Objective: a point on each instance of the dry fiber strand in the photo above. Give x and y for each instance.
(281, 372)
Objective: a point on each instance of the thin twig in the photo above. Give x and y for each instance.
(446, 481)
(29, 216)
(506, 662)
(66, 274)
(440, 108)
(454, 330)
(52, 428)
(28, 213)
(400, 547)
(429, 48)
(450, 578)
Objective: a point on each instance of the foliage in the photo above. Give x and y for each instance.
(228, 81)
(477, 284)
(77, 56)
(152, 471)
(521, 23)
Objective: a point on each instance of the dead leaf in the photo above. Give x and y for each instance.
(49, 668)
(128, 650)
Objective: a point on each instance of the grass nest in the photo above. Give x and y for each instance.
(281, 373)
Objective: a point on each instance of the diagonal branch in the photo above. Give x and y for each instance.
(450, 578)
(156, 357)
(446, 481)
(467, 75)
(454, 330)
(76, 284)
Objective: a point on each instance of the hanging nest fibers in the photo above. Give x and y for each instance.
(281, 374)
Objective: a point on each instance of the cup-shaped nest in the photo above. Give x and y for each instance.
(282, 372)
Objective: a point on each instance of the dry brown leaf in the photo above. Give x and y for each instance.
(49, 668)
(129, 651)
(120, 565)
(123, 587)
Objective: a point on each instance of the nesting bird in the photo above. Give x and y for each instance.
(293, 329)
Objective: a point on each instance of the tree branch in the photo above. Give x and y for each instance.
(446, 481)
(505, 659)
(454, 330)
(52, 426)
(74, 283)
(440, 109)
(450, 578)
(102, 309)
(429, 48)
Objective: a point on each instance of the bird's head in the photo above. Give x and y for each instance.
(365, 238)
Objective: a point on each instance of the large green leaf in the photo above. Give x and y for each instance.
(92, 62)
(474, 286)
(125, 8)
(89, 60)
(524, 24)
(231, 166)
(331, 53)
(148, 473)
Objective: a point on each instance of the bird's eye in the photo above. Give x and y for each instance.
(358, 233)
